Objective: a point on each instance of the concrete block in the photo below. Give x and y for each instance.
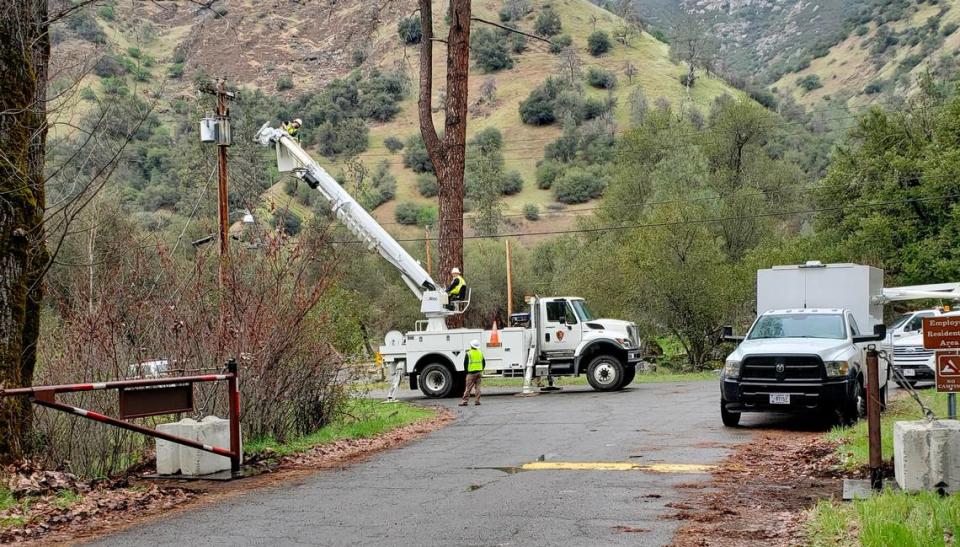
(927, 454)
(213, 431)
(168, 453)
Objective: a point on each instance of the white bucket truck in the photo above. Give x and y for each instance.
(559, 336)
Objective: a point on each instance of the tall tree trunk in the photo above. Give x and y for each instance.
(24, 56)
(447, 154)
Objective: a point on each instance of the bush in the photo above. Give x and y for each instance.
(407, 213)
(592, 108)
(547, 173)
(560, 43)
(393, 144)
(175, 71)
(114, 86)
(512, 183)
(415, 155)
(107, 12)
(379, 106)
(348, 137)
(601, 78)
(427, 185)
(809, 82)
(518, 43)
(547, 23)
(504, 15)
(287, 221)
(489, 51)
(578, 186)
(409, 30)
(538, 108)
(88, 94)
(862, 30)
(531, 211)
(290, 186)
(134, 52)
(598, 43)
(358, 56)
(427, 215)
(109, 66)
(86, 27)
(284, 82)
(949, 29)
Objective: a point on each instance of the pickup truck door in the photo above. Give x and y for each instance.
(561, 330)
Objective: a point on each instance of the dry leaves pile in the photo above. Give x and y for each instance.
(759, 494)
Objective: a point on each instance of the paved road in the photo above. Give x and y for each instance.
(445, 489)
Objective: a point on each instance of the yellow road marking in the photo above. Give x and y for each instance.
(618, 466)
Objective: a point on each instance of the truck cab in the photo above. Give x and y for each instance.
(796, 360)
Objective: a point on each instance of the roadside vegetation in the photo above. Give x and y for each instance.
(893, 517)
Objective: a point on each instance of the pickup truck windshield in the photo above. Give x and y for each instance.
(801, 325)
(582, 310)
(899, 321)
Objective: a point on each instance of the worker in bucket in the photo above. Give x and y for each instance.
(292, 128)
(473, 363)
(457, 289)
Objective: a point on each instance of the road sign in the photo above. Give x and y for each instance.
(941, 332)
(948, 372)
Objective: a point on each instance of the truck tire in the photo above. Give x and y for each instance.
(630, 372)
(436, 381)
(605, 373)
(855, 407)
(730, 419)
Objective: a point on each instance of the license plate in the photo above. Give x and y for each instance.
(779, 398)
(909, 372)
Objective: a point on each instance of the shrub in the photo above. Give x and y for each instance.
(107, 12)
(862, 30)
(578, 186)
(393, 144)
(109, 66)
(409, 30)
(114, 86)
(686, 80)
(86, 27)
(809, 82)
(518, 43)
(379, 106)
(348, 137)
(504, 15)
(601, 78)
(290, 187)
(175, 71)
(134, 52)
(531, 211)
(427, 185)
(547, 23)
(512, 183)
(415, 155)
(598, 43)
(284, 82)
(538, 108)
(358, 57)
(547, 173)
(287, 221)
(949, 29)
(489, 51)
(560, 43)
(407, 213)
(592, 108)
(427, 215)
(88, 94)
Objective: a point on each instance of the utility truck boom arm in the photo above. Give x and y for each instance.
(291, 157)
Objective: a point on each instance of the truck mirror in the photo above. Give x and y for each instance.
(726, 334)
(879, 333)
(563, 319)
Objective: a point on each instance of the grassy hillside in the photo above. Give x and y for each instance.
(166, 49)
(881, 58)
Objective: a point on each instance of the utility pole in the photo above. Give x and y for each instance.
(222, 136)
(509, 282)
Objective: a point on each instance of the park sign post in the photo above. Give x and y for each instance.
(942, 334)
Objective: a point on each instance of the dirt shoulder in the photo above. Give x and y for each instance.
(107, 507)
(758, 495)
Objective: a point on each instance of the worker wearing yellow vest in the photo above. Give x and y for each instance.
(473, 363)
(456, 289)
(293, 128)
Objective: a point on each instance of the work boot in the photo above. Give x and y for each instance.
(462, 403)
(476, 403)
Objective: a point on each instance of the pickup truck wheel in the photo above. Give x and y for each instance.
(730, 419)
(855, 407)
(605, 373)
(436, 381)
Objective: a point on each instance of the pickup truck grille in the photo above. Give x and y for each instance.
(796, 368)
(911, 355)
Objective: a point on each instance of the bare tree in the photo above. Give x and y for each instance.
(692, 45)
(447, 153)
(630, 70)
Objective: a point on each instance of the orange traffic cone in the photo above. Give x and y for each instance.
(494, 337)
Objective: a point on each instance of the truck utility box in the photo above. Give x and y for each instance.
(815, 285)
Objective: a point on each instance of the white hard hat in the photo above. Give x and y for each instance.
(475, 344)
(455, 271)
(298, 121)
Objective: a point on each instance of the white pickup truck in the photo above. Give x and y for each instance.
(806, 351)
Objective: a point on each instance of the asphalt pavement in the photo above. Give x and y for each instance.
(461, 485)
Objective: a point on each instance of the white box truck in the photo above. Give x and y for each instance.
(806, 350)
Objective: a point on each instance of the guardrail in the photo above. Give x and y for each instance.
(149, 397)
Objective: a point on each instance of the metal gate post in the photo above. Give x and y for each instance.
(873, 418)
(233, 386)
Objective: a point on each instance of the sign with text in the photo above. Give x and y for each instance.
(948, 372)
(941, 332)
